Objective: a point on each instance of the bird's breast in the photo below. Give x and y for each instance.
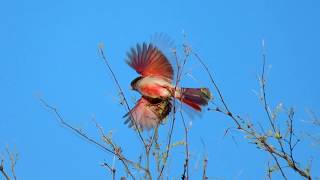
(154, 87)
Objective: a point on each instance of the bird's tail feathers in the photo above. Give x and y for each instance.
(194, 97)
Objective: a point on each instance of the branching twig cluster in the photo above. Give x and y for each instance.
(13, 157)
(283, 151)
(314, 121)
(112, 148)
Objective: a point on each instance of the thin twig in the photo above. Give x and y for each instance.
(185, 174)
(122, 95)
(217, 88)
(5, 175)
(13, 160)
(205, 164)
(178, 78)
(278, 164)
(115, 151)
(269, 172)
(265, 102)
(75, 130)
(266, 108)
(118, 152)
(111, 169)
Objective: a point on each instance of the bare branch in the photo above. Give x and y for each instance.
(4, 173)
(259, 139)
(13, 160)
(75, 130)
(185, 174)
(13, 157)
(115, 151)
(217, 88)
(205, 164)
(122, 94)
(111, 169)
(180, 67)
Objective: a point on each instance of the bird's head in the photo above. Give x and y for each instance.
(134, 83)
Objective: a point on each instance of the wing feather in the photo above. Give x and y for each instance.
(148, 113)
(142, 115)
(148, 60)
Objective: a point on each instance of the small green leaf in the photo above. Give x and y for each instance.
(277, 135)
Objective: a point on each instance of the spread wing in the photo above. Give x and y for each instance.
(148, 60)
(148, 113)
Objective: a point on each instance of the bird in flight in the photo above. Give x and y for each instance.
(155, 84)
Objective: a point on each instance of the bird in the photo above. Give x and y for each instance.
(155, 84)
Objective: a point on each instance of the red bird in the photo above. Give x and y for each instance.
(155, 86)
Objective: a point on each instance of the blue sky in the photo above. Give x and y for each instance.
(50, 49)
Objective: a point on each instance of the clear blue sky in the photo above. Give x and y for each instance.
(49, 48)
